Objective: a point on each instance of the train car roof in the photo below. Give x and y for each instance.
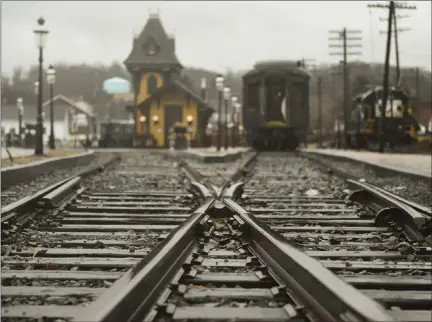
(277, 66)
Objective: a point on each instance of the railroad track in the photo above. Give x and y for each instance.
(380, 249)
(217, 260)
(66, 245)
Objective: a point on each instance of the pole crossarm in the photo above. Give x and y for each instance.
(345, 41)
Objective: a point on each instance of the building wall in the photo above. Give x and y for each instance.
(62, 119)
(157, 109)
(143, 94)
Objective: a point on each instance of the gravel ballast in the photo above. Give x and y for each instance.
(16, 192)
(414, 190)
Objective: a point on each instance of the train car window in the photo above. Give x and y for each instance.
(151, 84)
(275, 95)
(253, 101)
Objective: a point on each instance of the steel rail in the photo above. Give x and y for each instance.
(424, 210)
(134, 293)
(12, 212)
(388, 209)
(244, 169)
(329, 297)
(412, 217)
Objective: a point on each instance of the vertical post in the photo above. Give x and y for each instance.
(20, 110)
(234, 128)
(226, 124)
(396, 50)
(51, 138)
(20, 128)
(417, 84)
(219, 136)
(39, 122)
(382, 120)
(319, 111)
(345, 87)
(343, 36)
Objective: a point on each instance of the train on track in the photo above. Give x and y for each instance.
(276, 105)
(401, 128)
(116, 134)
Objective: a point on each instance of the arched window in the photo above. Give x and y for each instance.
(151, 84)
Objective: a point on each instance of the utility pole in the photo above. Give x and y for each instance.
(392, 6)
(382, 139)
(343, 37)
(396, 40)
(417, 82)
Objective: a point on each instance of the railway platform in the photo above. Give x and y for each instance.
(16, 152)
(419, 165)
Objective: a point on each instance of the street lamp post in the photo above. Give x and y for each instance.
(227, 96)
(219, 87)
(20, 108)
(36, 91)
(236, 123)
(41, 34)
(51, 81)
(234, 101)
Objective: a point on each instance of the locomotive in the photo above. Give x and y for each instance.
(401, 128)
(276, 105)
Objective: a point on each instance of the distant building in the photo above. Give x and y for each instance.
(162, 96)
(72, 118)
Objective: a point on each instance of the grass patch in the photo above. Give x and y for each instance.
(5, 163)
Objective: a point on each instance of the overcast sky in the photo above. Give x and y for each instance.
(212, 35)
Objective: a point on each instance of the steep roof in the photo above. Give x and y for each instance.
(80, 105)
(152, 47)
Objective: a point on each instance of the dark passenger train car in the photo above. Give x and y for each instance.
(363, 127)
(116, 134)
(276, 105)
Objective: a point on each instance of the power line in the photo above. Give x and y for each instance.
(396, 29)
(343, 39)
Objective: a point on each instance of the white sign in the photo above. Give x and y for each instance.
(80, 119)
(394, 108)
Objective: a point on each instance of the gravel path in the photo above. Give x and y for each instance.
(414, 190)
(22, 190)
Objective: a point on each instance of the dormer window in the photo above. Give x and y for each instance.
(151, 51)
(151, 47)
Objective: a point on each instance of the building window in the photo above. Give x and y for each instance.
(151, 47)
(151, 84)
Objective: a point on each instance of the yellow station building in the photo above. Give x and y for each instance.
(162, 94)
